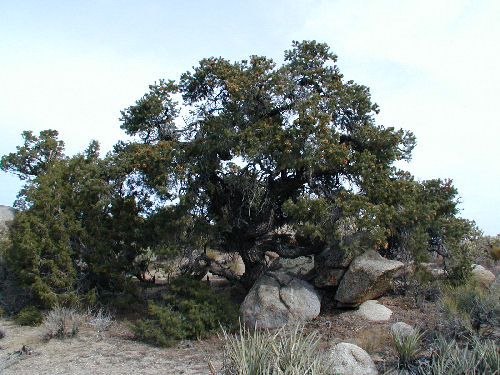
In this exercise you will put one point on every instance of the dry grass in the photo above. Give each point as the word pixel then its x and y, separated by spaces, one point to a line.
pixel 114 353
pixel 373 339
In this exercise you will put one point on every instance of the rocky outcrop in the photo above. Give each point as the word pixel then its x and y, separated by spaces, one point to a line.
pixel 350 359
pixel 333 261
pixel 368 277
pixel 300 267
pixel 483 277
pixel 278 298
pixel 374 311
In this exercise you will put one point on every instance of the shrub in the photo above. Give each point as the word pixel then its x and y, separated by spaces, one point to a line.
pixel 469 309
pixel 258 352
pixel 460 271
pixel 29 316
pixel 99 319
pixel 248 353
pixel 62 322
pixel 495 252
pixel 188 310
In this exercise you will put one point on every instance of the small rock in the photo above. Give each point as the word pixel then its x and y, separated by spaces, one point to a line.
pixel 374 311
pixel 350 359
pixel 482 275
pixel 402 328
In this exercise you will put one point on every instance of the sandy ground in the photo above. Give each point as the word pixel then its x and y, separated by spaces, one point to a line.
pixel 112 353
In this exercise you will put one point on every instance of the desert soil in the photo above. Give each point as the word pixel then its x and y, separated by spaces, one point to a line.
pixel 115 352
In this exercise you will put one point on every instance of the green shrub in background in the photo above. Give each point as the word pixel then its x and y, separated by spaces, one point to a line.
pixel 469 309
pixel 460 272
pixel 29 316
pixel 188 310
pixel 495 252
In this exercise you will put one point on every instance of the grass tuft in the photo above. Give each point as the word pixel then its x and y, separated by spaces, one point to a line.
pixel 62 322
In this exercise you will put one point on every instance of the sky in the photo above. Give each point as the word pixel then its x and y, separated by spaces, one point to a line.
pixel 433 67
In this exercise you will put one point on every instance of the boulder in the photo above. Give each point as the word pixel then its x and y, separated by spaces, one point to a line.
pixel 300 267
pixel 350 359
pixel 6 215
pixel 278 298
pixel 483 276
pixel 402 329
pixel 331 263
pixel 374 311
pixel 368 277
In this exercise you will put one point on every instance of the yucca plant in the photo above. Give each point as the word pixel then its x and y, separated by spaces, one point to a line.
pixel 408 347
pixel 248 353
pixel 296 354
pixel 474 358
pixel 263 353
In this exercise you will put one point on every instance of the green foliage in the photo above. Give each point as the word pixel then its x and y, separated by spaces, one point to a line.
pixel 469 309
pixel 76 230
pixel 460 272
pixel 29 316
pixel 264 147
pixel 188 310
pixel 296 145
pixel 35 156
pixel 261 353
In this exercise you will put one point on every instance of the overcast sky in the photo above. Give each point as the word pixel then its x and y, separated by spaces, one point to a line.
pixel 432 66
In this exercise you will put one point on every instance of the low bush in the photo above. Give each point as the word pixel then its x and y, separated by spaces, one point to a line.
pixel 189 309
pixel 62 322
pixel 495 252
pixel 469 309
pixel 29 316
pixel 99 319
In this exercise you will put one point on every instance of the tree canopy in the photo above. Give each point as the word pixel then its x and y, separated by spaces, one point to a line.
pixel 244 157
pixel 266 147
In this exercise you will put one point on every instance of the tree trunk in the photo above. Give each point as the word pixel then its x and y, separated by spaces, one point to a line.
pixel 255 266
